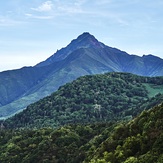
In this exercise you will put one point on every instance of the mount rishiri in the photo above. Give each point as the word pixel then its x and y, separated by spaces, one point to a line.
pixel 83 56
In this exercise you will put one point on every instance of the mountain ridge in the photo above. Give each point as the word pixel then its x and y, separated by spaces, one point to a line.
pixel 83 56
pixel 86 40
pixel 82 41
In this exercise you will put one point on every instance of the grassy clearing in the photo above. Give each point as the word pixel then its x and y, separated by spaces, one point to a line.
pixel 153 89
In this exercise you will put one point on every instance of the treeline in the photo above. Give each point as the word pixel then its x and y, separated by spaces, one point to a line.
pixel 139 141
pixel 92 98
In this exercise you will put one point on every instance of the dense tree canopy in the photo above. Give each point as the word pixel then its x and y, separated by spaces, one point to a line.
pixel 92 98
pixel 94 119
pixel 138 141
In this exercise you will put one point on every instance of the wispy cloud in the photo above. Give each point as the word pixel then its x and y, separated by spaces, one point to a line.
pixel 80 2
pixel 103 2
pixel 44 11
pixel 75 7
pixel 39 16
pixel 51 9
pixel 44 7
pixel 63 9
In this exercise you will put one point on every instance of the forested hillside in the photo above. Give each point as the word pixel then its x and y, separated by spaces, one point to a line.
pixel 85 55
pixel 139 141
pixel 92 98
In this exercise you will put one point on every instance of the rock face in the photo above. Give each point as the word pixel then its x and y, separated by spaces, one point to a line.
pixel 84 55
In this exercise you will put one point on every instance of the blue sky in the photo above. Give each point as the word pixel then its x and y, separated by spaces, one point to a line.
pixel 31 31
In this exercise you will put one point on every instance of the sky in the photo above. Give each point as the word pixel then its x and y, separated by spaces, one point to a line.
pixel 33 30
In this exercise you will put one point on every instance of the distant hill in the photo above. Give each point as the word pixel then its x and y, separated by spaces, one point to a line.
pixel 83 56
pixel 92 98
pixel 139 141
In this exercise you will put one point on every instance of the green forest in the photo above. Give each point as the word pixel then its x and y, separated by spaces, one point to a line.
pixel 138 141
pixel 94 98
pixel 107 118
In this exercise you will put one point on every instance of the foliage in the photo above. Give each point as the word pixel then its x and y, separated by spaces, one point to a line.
pixel 138 141
pixel 66 144
pixel 92 98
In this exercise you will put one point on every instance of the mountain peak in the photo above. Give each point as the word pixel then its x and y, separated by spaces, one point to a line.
pixel 85 35
pixel 87 40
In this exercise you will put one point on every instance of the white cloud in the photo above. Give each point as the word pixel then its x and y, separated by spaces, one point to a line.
pixel 80 2
pixel 39 17
pixel 29 15
pixel 75 7
pixel 103 2
pixel 57 8
pixel 43 10
pixel 69 9
pixel 44 7
pixel 52 9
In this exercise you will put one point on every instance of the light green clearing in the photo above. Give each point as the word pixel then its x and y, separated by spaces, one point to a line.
pixel 153 89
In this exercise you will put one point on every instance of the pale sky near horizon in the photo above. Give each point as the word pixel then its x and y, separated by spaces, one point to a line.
pixel 31 31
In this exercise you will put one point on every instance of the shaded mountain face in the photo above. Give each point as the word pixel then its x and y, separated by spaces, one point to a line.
pixel 86 48
pixel 83 56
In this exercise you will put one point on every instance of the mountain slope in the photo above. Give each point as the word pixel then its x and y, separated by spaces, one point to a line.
pixel 139 141
pixel 111 58
pixel 83 56
pixel 85 40
pixel 15 83
pixel 107 97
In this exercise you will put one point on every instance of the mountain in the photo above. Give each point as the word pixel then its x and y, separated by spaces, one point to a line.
pixel 83 56
pixel 87 48
pixel 138 141
pixel 92 98
pixel 85 40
